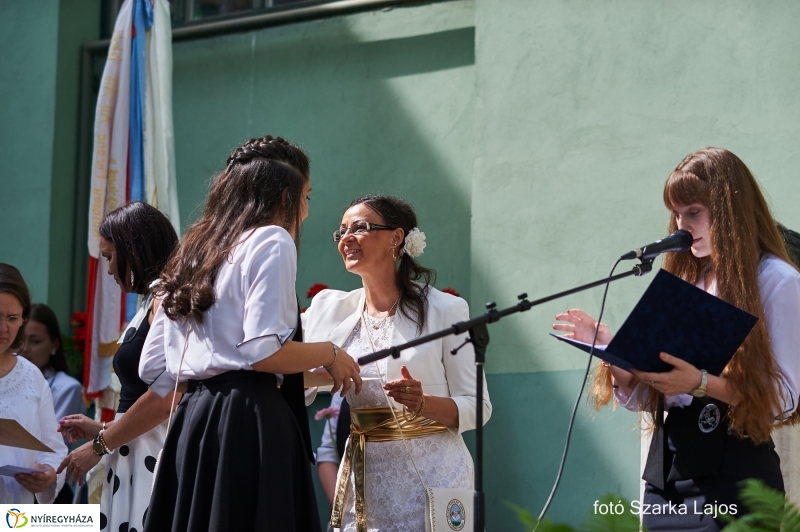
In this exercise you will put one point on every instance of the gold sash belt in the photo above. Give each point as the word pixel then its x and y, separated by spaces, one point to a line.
pixel 375 425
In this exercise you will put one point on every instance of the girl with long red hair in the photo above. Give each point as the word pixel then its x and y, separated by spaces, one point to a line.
pixel 717 429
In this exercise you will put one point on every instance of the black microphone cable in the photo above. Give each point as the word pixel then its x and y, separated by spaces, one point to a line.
pixel 577 402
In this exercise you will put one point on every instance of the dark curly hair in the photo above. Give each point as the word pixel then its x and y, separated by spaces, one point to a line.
pixel 395 213
pixel 262 184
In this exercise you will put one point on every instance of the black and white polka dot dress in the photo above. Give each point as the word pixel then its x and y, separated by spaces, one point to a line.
pixel 129 470
pixel 129 481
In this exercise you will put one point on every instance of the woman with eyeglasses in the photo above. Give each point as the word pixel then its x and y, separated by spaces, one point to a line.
pixel 717 429
pixel 428 390
pixel 237 455
pixel 26 399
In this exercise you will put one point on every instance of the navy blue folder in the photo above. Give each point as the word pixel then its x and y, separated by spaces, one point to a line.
pixel 678 318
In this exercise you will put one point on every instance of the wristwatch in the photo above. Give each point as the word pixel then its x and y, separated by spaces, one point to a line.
pixel 700 391
pixel 99 445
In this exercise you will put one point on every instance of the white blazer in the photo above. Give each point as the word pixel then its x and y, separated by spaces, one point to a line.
pixel 333 315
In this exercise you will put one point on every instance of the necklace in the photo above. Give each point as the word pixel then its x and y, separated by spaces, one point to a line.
pixel 378 326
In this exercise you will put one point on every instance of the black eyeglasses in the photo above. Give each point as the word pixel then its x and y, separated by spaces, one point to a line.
pixel 357 229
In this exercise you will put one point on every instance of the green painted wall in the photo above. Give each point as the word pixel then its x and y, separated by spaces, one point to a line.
pixel 38 140
pixel 28 35
pixel 78 22
pixel 382 102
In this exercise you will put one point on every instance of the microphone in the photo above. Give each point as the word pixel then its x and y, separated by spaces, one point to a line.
pixel 680 240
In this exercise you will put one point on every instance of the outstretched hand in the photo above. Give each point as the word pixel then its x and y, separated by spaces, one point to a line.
pixel 682 378
pixel 78 463
pixel 78 427
pixel 580 326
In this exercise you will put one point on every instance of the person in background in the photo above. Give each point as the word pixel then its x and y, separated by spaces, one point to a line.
pixel 43 348
pixel 137 240
pixel 26 398
pixel 331 448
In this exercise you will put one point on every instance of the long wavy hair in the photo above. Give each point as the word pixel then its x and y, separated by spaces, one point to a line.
pixel 742 230
pixel 262 184
pixel 413 280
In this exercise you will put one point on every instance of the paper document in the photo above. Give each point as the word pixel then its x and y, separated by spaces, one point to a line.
pixel 678 318
pixel 13 434
pixel 11 470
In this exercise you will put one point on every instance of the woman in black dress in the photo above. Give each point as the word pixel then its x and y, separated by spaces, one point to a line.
pixel 136 239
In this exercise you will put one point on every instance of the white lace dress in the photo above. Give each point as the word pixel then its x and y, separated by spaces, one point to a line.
pixel 395 498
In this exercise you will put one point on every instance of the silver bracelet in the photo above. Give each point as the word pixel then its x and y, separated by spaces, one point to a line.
pixel 335 354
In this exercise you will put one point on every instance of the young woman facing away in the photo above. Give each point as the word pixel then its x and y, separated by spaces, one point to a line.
pixel 235 456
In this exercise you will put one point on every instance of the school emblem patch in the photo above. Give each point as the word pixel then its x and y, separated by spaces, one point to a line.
pixel 709 418
pixel 455 515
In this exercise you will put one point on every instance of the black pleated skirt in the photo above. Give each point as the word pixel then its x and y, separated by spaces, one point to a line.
pixel 741 460
pixel 234 460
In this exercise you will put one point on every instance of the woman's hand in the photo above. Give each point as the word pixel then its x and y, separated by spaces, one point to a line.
pixel 37 482
pixel 406 391
pixel 682 378
pixel 581 327
pixel 78 463
pixel 78 427
pixel 345 372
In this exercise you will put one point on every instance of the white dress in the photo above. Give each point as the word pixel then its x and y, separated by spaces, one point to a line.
pixel 25 397
pixel 395 498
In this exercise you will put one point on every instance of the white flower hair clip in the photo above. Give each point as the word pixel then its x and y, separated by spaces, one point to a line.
pixel 415 243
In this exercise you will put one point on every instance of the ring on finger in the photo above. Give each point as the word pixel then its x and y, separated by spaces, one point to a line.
pixel 408 389
pixel 652 383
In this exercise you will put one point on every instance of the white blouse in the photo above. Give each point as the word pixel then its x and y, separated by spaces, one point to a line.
pixel 255 312
pixel 25 397
pixel 779 288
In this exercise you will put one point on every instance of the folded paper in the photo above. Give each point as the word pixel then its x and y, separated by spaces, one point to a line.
pixel 13 434
pixel 678 318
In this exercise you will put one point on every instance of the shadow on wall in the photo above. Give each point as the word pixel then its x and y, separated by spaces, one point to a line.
pixel 391 116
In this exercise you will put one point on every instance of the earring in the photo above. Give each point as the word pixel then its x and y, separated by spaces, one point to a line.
pixel 133 283
pixel 393 255
pixel 52 353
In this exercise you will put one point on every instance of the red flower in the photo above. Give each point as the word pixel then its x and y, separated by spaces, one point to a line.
pixel 315 289
pixel 78 319
pixel 78 323
pixel 451 291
